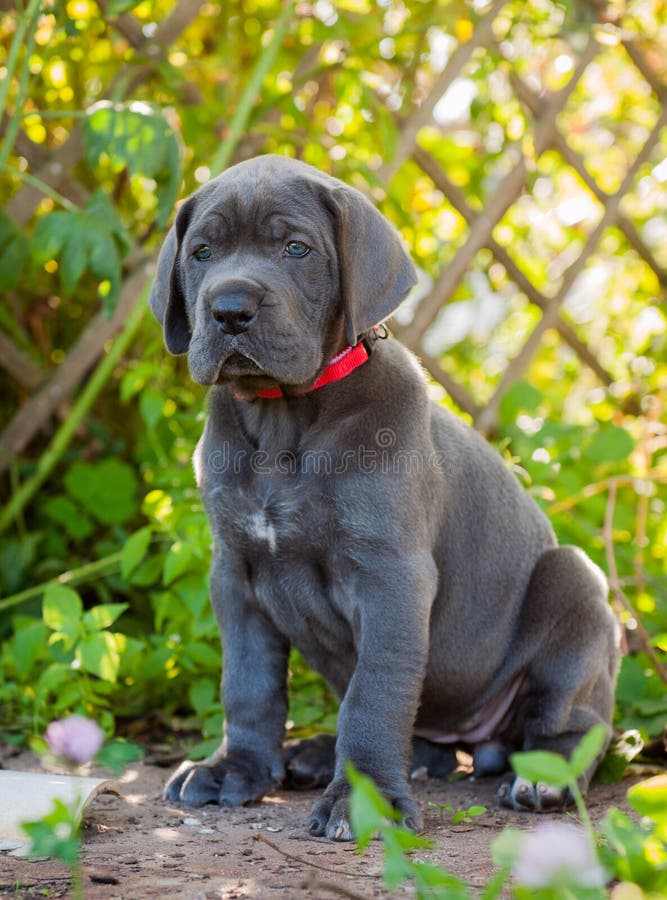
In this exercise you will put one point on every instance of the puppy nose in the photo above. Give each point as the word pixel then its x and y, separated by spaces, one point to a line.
pixel 233 314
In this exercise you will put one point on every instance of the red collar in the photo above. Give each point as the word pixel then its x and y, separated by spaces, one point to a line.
pixel 339 367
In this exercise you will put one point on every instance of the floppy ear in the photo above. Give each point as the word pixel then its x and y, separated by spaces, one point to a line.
pixel 166 298
pixel 375 271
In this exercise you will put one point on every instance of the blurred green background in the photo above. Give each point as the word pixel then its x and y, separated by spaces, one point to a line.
pixel 520 150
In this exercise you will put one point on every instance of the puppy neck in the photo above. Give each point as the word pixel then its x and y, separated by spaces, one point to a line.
pixel 339 367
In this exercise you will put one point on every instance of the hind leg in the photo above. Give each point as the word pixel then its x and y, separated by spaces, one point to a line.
pixel 569 637
pixel 310 763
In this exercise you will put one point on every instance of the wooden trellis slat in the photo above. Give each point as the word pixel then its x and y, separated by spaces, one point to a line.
pixel 423 114
pixel 457 198
pixel 507 192
pixel 532 102
pixel 56 170
pixel 486 418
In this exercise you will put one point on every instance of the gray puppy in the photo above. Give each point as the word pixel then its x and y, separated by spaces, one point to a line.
pixel 358 521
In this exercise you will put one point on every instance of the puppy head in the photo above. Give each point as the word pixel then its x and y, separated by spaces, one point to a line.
pixel 270 269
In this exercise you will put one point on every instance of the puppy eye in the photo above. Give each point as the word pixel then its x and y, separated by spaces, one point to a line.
pixel 202 253
pixel 297 248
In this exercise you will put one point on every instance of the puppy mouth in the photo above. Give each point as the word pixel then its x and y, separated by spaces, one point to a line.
pixel 238 365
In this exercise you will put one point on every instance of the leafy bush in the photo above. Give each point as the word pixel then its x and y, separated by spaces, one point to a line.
pixel 140 112
pixel 555 861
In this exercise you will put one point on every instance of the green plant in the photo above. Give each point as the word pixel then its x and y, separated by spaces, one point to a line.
pixel 75 741
pixel 459 816
pixel 372 816
pixel 555 861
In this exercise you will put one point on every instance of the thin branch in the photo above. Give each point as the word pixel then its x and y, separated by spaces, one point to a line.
pixel 550 315
pixel 614 584
pixel 37 412
pixel 82 574
pixel 103 566
pixel 530 99
pixel 459 201
pixel 505 194
pixel 40 186
pixel 14 123
pixel 180 17
pixel 601 487
pixel 307 862
pixel 24 22
pixel 319 884
pixel 54 173
pixel 49 459
pixel 19 365
pixel 424 112
pixel 248 98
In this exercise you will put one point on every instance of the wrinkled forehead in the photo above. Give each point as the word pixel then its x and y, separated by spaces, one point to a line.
pixel 262 196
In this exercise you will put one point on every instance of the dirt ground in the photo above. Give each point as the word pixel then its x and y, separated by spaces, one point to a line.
pixel 136 845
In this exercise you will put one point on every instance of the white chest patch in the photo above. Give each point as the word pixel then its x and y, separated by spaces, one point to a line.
pixel 263 530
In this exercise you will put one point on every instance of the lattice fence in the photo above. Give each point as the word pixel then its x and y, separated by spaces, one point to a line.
pixel 521 173
pixel 544 109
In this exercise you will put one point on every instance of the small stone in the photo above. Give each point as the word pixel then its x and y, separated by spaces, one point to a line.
pixel 190 821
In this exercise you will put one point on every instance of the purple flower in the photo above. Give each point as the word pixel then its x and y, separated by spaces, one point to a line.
pixel 557 854
pixel 76 738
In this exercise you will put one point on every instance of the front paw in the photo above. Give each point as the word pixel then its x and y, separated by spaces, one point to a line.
pixel 221 781
pixel 520 794
pixel 330 815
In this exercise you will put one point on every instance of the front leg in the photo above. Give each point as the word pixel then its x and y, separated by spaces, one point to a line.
pixel 254 698
pixel 377 714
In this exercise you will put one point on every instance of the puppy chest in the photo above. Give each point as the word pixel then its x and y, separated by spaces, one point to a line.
pixel 272 519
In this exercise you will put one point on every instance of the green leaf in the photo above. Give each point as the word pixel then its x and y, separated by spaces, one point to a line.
pixel 106 489
pixel 587 750
pixel 649 798
pixel 506 847
pixel 466 815
pixel 74 255
pixel 177 562
pixel 202 654
pixel 61 607
pixel 55 834
pixel 542 765
pixel 429 878
pixel 202 749
pixel 610 444
pixel 98 654
pixel 134 550
pixel 618 757
pixel 137 137
pixel 625 853
pixel 203 695
pixel 74 520
pixel 14 253
pixel 116 755
pixel 369 810
pixel 27 646
pixel 49 236
pixel 396 867
pixel 89 239
pixel 103 615
pixel 495 886
pixel 520 397
pixel 151 405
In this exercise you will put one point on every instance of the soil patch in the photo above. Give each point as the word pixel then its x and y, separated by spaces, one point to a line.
pixel 137 845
